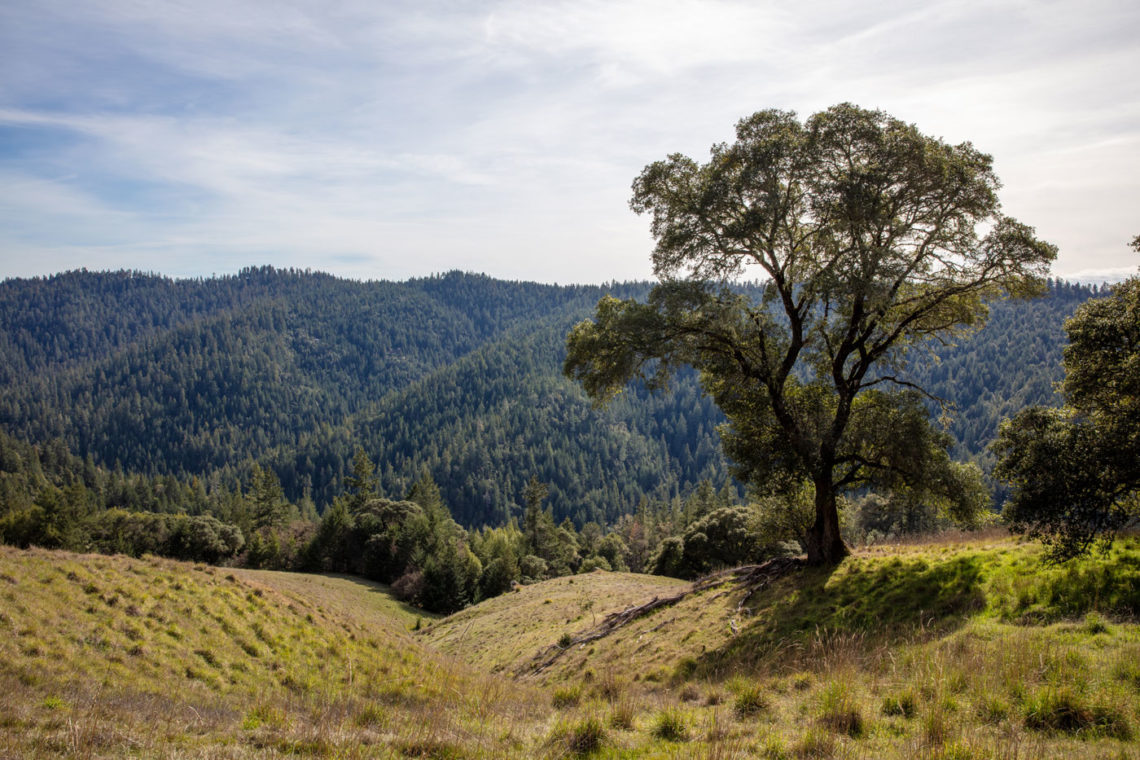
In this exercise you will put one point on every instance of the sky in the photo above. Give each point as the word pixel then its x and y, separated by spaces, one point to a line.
pixel 390 139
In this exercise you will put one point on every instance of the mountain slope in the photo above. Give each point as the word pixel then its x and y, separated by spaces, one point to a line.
pixel 459 374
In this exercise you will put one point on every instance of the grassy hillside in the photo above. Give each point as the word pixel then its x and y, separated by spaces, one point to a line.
pixel 969 649
pixel 945 650
pixel 108 656
pixel 504 633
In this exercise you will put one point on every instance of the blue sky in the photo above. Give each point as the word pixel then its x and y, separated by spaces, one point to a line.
pixel 390 139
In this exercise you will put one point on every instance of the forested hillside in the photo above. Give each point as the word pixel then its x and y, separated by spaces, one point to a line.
pixel 458 374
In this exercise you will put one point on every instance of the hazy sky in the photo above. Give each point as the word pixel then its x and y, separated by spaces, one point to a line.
pixel 395 138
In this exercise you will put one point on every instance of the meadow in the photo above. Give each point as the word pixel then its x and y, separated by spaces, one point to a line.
pixel 963 647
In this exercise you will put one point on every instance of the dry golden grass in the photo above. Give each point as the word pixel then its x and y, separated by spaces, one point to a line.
pixel 951 650
pixel 963 647
pixel 503 634
pixel 109 656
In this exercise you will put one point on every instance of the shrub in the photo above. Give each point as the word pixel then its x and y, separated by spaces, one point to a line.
pixel 590 564
pixel 409 586
pixel 1095 623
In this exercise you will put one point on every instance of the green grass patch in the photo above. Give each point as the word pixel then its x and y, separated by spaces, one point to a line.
pixel 671 726
pixel 1064 710
pixel 566 697
pixel 370 715
pixel 582 738
pixel 901 704
pixel 839 710
pixel 750 701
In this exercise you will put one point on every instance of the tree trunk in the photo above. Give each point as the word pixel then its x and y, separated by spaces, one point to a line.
pixel 824 544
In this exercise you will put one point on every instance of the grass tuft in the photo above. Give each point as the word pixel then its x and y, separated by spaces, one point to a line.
pixel 369 715
pixel 670 725
pixel 839 711
pixel 992 709
pixel 583 738
pixel 432 749
pixel 1063 710
pixel 815 743
pixel 621 716
pixel 566 697
pixel 750 702
pixel 901 704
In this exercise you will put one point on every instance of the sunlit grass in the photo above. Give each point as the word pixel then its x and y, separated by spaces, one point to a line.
pixel 940 651
pixel 954 649
pixel 106 656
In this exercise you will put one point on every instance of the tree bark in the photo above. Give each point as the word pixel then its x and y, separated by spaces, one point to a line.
pixel 824 543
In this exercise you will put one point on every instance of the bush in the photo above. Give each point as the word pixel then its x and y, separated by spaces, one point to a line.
pixel 409 586
pixel 533 568
pixel 590 564
pixel 1095 623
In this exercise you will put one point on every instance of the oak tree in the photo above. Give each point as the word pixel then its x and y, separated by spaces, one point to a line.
pixel 869 238
pixel 1075 471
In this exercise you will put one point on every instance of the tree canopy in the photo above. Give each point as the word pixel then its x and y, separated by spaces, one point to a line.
pixel 202 378
pixel 1075 471
pixel 865 234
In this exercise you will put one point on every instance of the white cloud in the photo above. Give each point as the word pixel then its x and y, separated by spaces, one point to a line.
pixel 503 136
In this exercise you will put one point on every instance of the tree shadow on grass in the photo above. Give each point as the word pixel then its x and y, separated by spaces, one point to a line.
pixel 807 618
